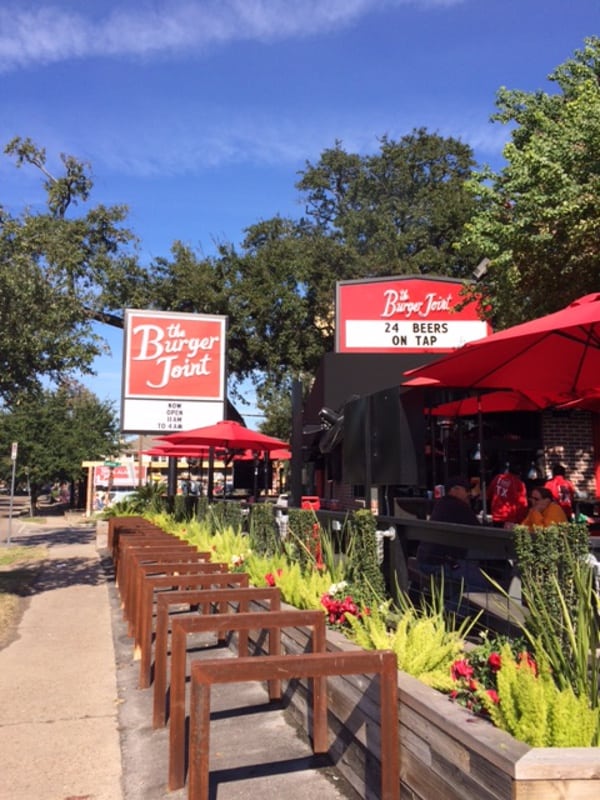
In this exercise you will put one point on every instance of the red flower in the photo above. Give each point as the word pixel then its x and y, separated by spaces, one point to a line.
pixel 270 578
pixel 495 661
pixel 493 695
pixel 461 669
pixel 338 609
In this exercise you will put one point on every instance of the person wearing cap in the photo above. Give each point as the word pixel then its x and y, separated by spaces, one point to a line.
pixel 454 507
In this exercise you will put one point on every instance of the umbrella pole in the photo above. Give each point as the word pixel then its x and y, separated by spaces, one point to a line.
pixel 432 445
pixel 255 489
pixel 266 472
pixel 482 459
pixel 211 473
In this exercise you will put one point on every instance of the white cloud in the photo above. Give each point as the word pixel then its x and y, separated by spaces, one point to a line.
pixel 43 34
pixel 189 145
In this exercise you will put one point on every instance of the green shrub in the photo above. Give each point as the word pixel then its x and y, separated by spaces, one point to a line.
pixel 365 576
pixel 304 537
pixel 551 553
pixel 563 608
pixel 264 533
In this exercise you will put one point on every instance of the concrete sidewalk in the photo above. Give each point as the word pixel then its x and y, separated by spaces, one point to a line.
pixel 74 725
pixel 59 734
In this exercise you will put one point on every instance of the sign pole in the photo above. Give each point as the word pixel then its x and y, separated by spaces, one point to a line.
pixel 13 458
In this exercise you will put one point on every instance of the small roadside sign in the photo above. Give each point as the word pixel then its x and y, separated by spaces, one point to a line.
pixel 13 458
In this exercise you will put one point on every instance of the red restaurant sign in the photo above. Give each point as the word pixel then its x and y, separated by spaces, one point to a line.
pixel 404 315
pixel 174 371
pixel 124 476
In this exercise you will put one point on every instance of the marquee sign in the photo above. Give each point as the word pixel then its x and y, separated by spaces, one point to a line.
pixel 404 315
pixel 173 371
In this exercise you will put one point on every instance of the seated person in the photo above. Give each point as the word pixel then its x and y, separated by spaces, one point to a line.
pixel 507 499
pixel 544 511
pixel 454 507
pixel 562 490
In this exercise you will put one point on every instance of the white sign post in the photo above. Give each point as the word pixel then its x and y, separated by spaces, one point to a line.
pixel 13 458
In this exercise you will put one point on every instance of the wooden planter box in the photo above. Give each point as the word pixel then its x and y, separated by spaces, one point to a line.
pixel 446 753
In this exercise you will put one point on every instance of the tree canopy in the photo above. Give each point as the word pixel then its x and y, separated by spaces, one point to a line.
pixel 59 271
pixel 400 211
pixel 538 219
pixel 56 430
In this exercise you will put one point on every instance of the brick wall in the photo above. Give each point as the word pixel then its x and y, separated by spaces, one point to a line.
pixel 568 439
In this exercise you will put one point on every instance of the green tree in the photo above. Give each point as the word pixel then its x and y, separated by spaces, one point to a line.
pixel 538 219
pixel 401 210
pixel 59 272
pixel 56 431
pixel 277 291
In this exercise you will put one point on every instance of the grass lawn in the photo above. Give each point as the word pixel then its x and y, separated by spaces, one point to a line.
pixel 18 571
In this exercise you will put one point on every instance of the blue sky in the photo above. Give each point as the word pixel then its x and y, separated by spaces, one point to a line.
pixel 198 114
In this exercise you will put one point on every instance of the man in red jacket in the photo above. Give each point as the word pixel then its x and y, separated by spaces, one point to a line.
pixel 507 499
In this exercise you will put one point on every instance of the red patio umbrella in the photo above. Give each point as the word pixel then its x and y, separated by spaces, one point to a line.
pixel 557 356
pixel 489 403
pixel 588 401
pixel 280 455
pixel 178 451
pixel 228 435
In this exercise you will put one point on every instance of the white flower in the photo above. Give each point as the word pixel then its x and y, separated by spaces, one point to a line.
pixel 337 587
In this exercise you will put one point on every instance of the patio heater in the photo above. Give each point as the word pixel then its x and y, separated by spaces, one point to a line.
pixel 445 425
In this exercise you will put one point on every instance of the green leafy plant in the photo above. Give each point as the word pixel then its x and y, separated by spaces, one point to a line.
pixel 304 537
pixel 229 545
pixel 533 709
pixel 569 637
pixel 424 638
pixel 548 553
pixel 225 515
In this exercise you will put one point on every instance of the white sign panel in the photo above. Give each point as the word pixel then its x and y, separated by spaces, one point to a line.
pixel 384 335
